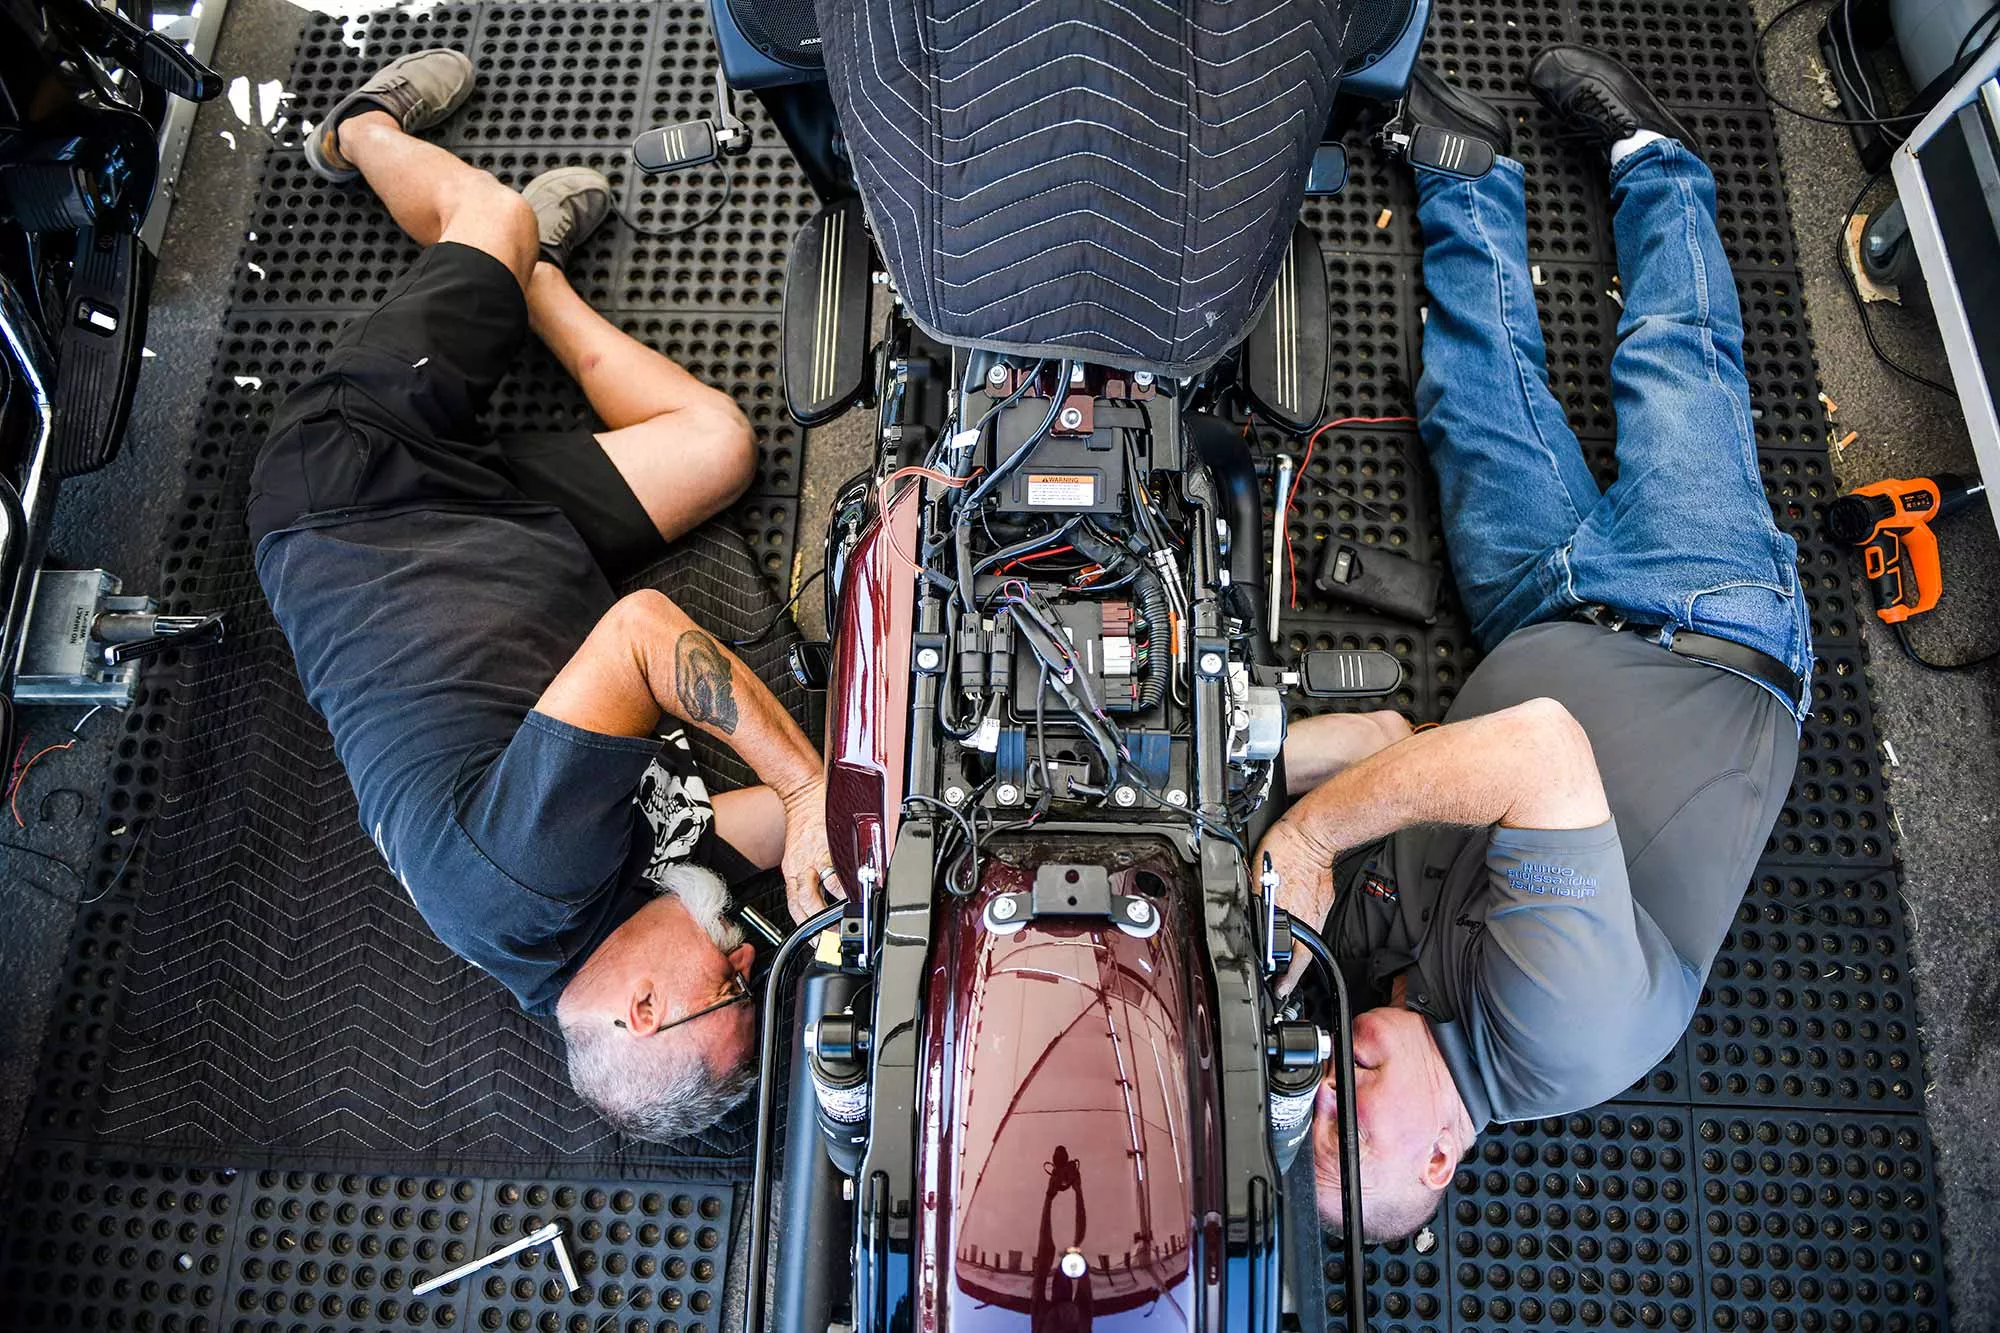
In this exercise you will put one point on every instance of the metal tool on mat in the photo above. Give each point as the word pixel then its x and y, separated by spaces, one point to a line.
pixel 551 1233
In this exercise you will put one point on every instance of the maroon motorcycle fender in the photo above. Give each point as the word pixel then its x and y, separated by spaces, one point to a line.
pixel 868 702
pixel 1067 1146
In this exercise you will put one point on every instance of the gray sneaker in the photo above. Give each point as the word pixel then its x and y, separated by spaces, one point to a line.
pixel 419 90
pixel 570 203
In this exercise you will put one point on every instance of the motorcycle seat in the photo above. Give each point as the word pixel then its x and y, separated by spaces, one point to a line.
pixel 1059 178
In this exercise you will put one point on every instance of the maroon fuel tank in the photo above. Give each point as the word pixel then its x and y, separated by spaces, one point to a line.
pixel 868 699
pixel 1067 1155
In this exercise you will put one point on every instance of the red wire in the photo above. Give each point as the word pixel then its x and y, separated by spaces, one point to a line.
pixel 14 796
pixel 1285 510
pixel 1036 555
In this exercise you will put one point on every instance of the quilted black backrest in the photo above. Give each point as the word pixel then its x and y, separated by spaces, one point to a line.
pixel 1114 180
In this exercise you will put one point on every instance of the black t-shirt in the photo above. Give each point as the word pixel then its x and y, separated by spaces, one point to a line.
pixel 424 637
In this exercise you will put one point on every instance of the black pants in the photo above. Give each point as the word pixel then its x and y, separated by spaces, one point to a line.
pixel 392 420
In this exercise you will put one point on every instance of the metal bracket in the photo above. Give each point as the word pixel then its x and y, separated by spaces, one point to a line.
pixel 1069 892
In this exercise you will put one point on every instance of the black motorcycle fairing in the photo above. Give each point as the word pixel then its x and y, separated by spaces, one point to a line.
pixel 1111 182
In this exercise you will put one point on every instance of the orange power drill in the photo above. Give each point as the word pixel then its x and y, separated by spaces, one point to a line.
pixel 1891 522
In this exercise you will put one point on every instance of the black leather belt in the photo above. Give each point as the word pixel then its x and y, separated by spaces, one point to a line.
pixel 1724 653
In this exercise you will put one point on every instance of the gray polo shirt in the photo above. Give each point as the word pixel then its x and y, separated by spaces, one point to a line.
pixel 1557 966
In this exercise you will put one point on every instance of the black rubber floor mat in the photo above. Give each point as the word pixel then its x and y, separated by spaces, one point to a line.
pixel 100 1241
pixel 1772 1172
pixel 1652 1217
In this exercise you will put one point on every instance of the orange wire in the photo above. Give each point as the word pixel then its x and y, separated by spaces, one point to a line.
pixel 1285 511
pixel 14 796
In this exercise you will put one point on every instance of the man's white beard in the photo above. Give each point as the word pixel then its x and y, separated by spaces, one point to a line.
pixel 706 899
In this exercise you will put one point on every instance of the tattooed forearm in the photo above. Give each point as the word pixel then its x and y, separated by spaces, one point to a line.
pixel 702 678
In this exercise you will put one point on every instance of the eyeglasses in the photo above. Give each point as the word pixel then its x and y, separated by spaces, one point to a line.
pixel 741 994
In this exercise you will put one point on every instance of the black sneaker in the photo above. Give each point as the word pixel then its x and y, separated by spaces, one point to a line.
pixel 1432 101
pixel 1600 97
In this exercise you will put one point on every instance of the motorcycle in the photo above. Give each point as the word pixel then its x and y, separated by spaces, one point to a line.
pixel 1034 1070
pixel 85 93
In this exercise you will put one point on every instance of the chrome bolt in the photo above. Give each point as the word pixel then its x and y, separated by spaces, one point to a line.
pixel 1176 797
pixel 1143 379
pixel 1007 794
pixel 1071 418
pixel 928 659
pixel 1139 911
pixel 1211 664
pixel 1004 909
pixel 954 796
pixel 997 376
pixel 1125 796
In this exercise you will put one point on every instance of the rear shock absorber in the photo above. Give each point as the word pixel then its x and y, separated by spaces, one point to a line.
pixel 1296 1053
pixel 837 1062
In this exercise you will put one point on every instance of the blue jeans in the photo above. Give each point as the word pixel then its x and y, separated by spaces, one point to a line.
pixel 1684 539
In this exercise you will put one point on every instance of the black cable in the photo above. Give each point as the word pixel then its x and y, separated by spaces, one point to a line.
pixel 1207 826
pixel 1854 292
pixel 1909 651
pixel 1006 468
pixel 965 829
pixel 118 879
pixel 674 233
pixel 1853 57
pixel 1042 728
pixel 1026 546
pixel 1349 1135
pixel 40 855
pixel 1028 381
pixel 783 611
pixel 48 800
pixel 1958 67
pixel 47 890
pixel 1959 57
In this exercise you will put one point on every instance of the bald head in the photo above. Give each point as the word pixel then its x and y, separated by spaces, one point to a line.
pixel 1414 1128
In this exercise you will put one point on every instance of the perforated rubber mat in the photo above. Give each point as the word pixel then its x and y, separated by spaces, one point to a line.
pixel 231 1131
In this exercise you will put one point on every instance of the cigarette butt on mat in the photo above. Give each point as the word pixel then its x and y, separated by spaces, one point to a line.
pixel 1536 274
pixel 1840 445
pixel 1382 218
pixel 1828 403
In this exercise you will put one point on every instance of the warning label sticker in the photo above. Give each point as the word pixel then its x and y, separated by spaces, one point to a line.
pixel 1062 490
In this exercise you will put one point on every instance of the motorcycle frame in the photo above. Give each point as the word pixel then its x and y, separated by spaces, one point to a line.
pixel 889 928
pixel 889 934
